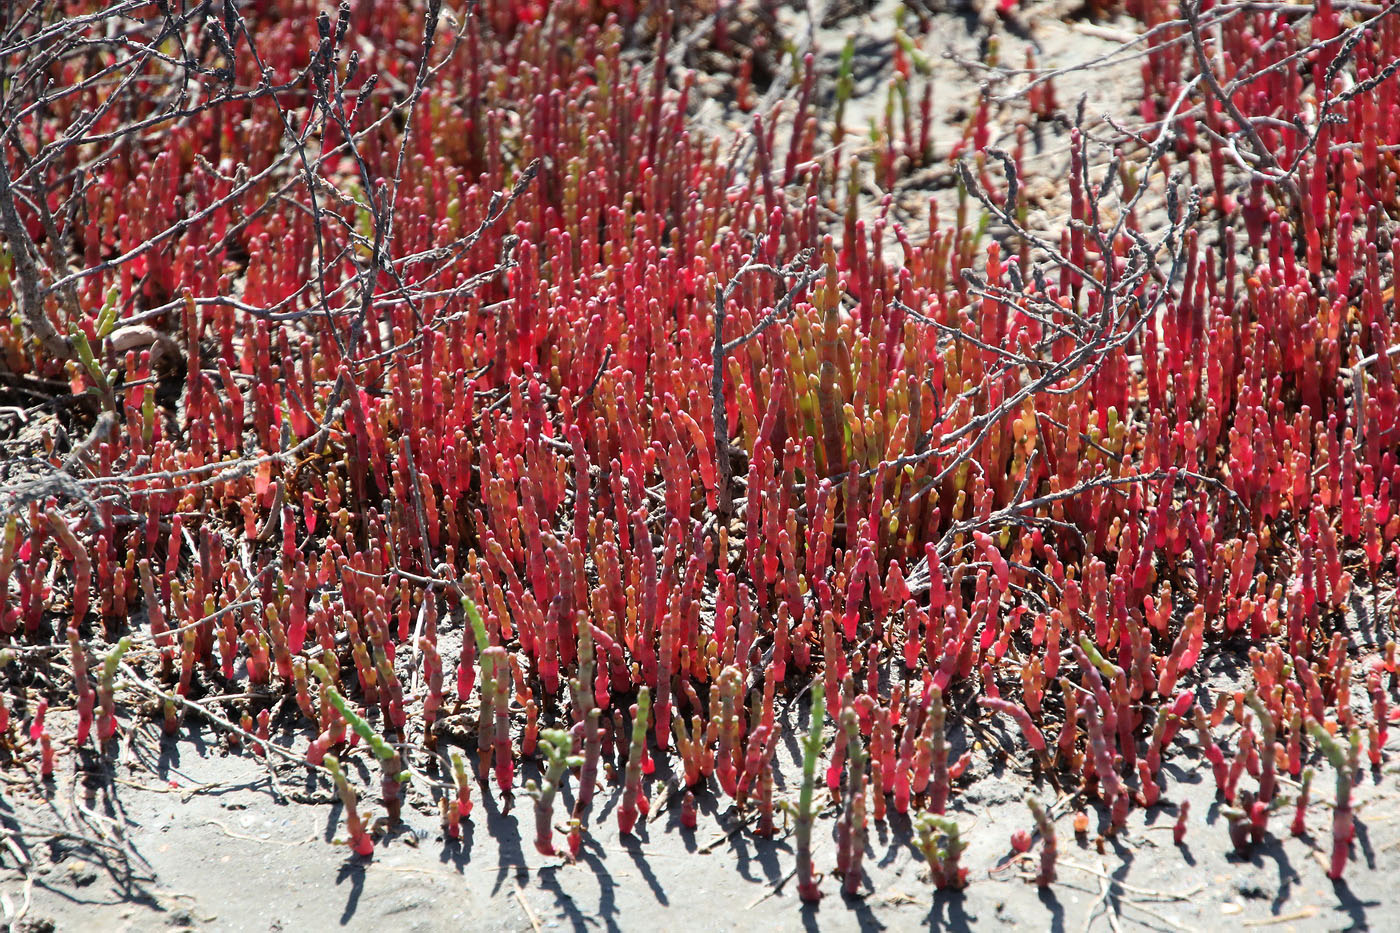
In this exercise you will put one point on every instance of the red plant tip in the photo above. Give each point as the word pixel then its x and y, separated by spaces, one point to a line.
pixel 1300 807
pixel 46 756
pixel 36 726
pixel 1179 827
pixel 1020 841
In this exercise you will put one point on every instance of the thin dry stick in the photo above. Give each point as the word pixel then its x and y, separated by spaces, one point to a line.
pixel 525 906
pixel 1302 914
pixel 1190 10
pixel 134 679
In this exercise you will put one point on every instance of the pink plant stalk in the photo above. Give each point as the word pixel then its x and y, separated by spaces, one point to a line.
pixel 1049 844
pixel 938 838
pixel 1183 813
pixel 360 841
pixel 1341 758
pixel 808 882
pixel 1034 737
pixel 851 827
pixel 634 801
pixel 1300 805
pixel 558 761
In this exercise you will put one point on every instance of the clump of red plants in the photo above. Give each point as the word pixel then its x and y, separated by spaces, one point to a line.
pixel 475 385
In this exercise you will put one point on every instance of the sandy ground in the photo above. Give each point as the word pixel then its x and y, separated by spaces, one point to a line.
pixel 189 835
